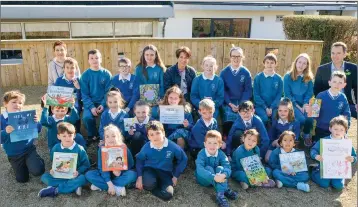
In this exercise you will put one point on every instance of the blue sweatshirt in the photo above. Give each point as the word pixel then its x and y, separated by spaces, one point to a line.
pixel 155 76
pixel 107 175
pixel 94 87
pixel 332 107
pixel 107 119
pixel 51 125
pixel 274 160
pixel 62 81
pixel 297 91
pixel 129 89
pixel 14 148
pixel 315 150
pixel 199 131
pixel 162 159
pixel 257 124
pixel 240 153
pixel 83 163
pixel 277 129
pixel 207 88
pixel 204 159
pixel 170 128
pixel 142 129
pixel 237 86
pixel 267 91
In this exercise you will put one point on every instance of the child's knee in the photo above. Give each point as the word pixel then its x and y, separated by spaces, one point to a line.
pixel 219 169
pixel 267 156
pixel 209 168
pixel 38 171
pixel 149 184
pixel 45 178
pixel 338 185
pixel 132 176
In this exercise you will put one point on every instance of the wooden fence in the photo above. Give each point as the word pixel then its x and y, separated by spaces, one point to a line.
pixel 38 53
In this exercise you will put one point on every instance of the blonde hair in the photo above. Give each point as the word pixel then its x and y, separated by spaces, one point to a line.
pixel 119 95
pixel 307 73
pixel 8 96
pixel 209 58
pixel 117 132
pixel 207 104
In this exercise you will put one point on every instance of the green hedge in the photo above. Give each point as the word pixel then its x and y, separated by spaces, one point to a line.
pixel 329 29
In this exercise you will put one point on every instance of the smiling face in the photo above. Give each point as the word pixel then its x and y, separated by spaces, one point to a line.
pixel 66 139
pixel 337 54
pixel 246 115
pixel 287 143
pixel 94 60
pixel 69 70
pixel 337 84
pixel 113 103
pixel 270 65
pixel 301 65
pixel 14 105
pixel 206 114
pixel 59 111
pixel 236 58
pixel 156 137
pixel 337 131
pixel 183 60
pixel 283 112
pixel 60 53
pixel 149 56
pixel 250 141
pixel 212 145
pixel 124 69
pixel 141 112
pixel 111 138
pixel 173 99
pixel 209 68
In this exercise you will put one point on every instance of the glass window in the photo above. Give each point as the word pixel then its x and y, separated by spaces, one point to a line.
pixel 10 31
pixel 241 28
pixel 134 29
pixel 298 12
pixel 331 12
pixel 50 30
pixel 11 57
pixel 221 28
pixel 201 28
pixel 91 29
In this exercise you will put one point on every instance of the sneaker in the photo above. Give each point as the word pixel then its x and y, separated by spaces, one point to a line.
pixel 230 194
pixel 48 192
pixel 120 191
pixel 303 187
pixel 79 191
pixel 279 184
pixel 244 185
pixel 94 188
pixel 221 200
pixel 170 190
pixel 270 184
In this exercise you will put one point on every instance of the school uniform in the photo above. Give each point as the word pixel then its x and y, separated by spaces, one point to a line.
pixel 55 70
pixel 155 76
pixel 116 119
pixel 279 126
pixel 175 131
pixel 129 88
pixel 136 141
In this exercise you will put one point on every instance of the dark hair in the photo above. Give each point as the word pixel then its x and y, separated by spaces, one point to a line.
pixel 340 44
pixel 64 127
pixel 286 102
pixel 59 43
pixel 252 132
pixel 246 105
pixel 270 56
pixel 158 61
pixel 155 125
pixel 339 120
pixel 93 52
pixel 289 133
pixel 70 61
pixel 125 60
pixel 141 103
pixel 183 49
pixel 339 74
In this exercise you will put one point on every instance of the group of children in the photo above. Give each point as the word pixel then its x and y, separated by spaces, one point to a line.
pixel 267 127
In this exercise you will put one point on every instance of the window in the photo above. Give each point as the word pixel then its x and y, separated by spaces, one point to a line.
pixel 331 12
pixel 221 28
pixel 50 30
pixel 298 12
pixel 11 31
pixel 91 29
pixel 133 29
pixel 9 57
pixel 279 18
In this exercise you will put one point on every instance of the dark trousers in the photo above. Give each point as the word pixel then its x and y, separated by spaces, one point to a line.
pixel 226 127
pixel 136 142
pixel 236 140
pixel 157 181
pixel 194 153
pixel 353 110
pixel 28 162
pixel 320 133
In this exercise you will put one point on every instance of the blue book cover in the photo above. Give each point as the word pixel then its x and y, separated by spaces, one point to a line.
pixel 25 127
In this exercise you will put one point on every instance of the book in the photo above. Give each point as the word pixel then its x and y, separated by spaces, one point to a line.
pixel 293 162
pixel 171 114
pixel 254 169
pixel 64 165
pixel 114 158
pixel 316 107
pixel 25 127
pixel 334 153
pixel 59 96
pixel 149 93
pixel 129 123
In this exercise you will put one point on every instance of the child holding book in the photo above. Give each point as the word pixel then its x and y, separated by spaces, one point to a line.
pixel 268 88
pixel 127 83
pixel 208 85
pixel 246 120
pixel 298 87
pixel 22 155
pixel 206 123
pixel 289 179
pixel 284 121
pixel 114 114
pixel 66 133
pixel 114 182
pixel 338 127
pixel 250 139
pixel 156 169
pixel 95 83
pixel 213 168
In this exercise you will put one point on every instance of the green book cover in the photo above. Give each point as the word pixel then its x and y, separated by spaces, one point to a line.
pixel 254 169
pixel 64 165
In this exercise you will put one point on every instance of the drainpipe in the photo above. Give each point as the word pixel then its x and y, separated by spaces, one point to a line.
pixel 164 20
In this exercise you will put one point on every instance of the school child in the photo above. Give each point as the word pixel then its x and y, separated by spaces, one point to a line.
pixel 208 85
pixel 114 114
pixel 22 155
pixel 247 120
pixel 66 133
pixel 95 83
pixel 113 182
pixel 298 87
pixel 70 80
pixel 292 179
pixel 213 168
pixel 284 120
pixel 268 89
pixel 237 86
pixel 202 126
pixel 250 139
pixel 127 83
pixel 156 169
pixel 178 133
pixel 338 127
pixel 334 103
pixel 59 114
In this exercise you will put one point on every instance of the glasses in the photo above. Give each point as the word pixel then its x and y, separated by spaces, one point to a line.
pixel 124 66
pixel 236 57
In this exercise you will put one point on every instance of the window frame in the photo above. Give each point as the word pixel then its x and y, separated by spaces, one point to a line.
pixel 12 61
pixel 231 29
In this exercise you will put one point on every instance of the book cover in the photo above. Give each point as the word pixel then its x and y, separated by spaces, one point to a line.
pixel 293 162
pixel 254 169
pixel 149 93
pixel 316 107
pixel 64 165
pixel 59 96
pixel 129 123
pixel 114 158
pixel 25 127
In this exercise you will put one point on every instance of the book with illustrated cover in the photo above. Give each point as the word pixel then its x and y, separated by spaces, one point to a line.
pixel 114 158
pixel 64 165
pixel 254 169
pixel 149 93
pixel 25 127
pixel 293 162
pixel 316 107
pixel 59 96
pixel 129 123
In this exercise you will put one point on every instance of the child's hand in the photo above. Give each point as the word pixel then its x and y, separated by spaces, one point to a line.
pixel 175 181
pixel 139 183
pixel 9 129
pixel 131 132
pixel 220 178
pixel 75 174
pixel 186 123
pixel 127 109
pixel 76 83
pixel 268 111
pixel 117 173
pixel 43 99
pixel 293 173
pixel 275 143
pixel 223 146
pixel 111 190
pixel 35 141
pixel 36 118
pixel 229 158
pixel 73 101
pixel 233 107
pixel 52 172
pixel 101 142
pixel 350 159
pixel 94 111
pixel 319 158
pixel 308 110
pixel 99 109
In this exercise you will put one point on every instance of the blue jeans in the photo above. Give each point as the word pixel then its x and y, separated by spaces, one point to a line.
pixel 126 177
pixel 261 112
pixel 290 180
pixel 337 184
pixel 64 185
pixel 241 176
pixel 306 122
pixel 209 180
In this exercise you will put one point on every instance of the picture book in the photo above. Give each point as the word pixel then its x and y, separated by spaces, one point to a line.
pixel 114 158
pixel 293 162
pixel 25 127
pixel 59 96
pixel 254 169
pixel 316 106
pixel 129 123
pixel 149 93
pixel 64 165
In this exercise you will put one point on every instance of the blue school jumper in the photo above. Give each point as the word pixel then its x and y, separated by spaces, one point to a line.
pixel 129 89
pixel 278 127
pixel 100 178
pixel 155 76
pixel 107 119
pixel 207 166
pixel 286 179
pixel 175 131
pixel 316 175
pixel 238 88
pixel 199 131
pixel 69 185
pixel 267 94
pixel 64 82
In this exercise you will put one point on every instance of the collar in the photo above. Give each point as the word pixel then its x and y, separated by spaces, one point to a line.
pixel 301 75
pixel 330 136
pixel 330 93
pixel 56 120
pixel 333 68
pixel 128 78
pixel 235 69
pixel 153 66
pixel 146 120
pixel 273 74
pixel 5 115
pixel 205 78
pixel 209 155
pixel 70 148
pixel 114 114
pixel 64 77
pixel 280 121
pixel 207 124
pixel 284 152
pixel 165 144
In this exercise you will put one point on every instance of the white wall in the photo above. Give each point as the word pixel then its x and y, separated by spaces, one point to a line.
pixel 181 25
pixel 349 13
